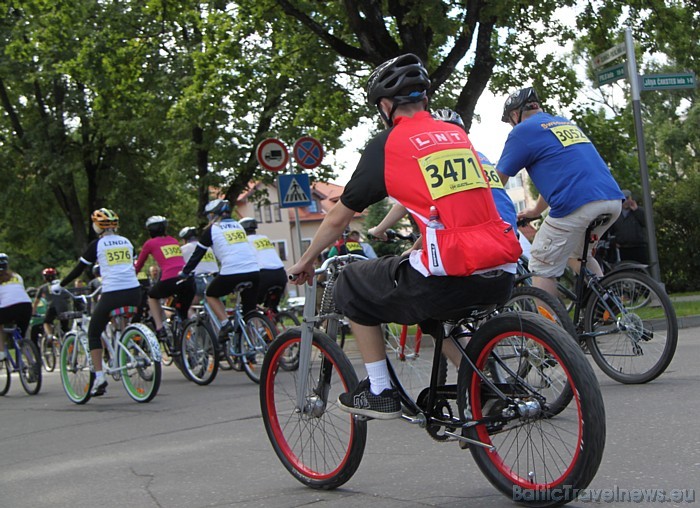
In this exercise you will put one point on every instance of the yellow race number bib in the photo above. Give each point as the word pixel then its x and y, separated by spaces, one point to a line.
pixel 569 135
pixel 449 171
pixel 492 175
pixel 171 251
pixel 262 244
pixel 118 256
pixel 235 236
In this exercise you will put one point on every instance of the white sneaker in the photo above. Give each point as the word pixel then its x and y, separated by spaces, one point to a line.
pixel 100 387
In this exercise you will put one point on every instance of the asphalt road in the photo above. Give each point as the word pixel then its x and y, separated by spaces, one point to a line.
pixel 206 447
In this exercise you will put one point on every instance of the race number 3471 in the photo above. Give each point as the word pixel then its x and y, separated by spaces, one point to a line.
pixel 449 171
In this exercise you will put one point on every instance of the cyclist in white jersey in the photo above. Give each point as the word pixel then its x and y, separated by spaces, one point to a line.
pixel 15 304
pixel 120 287
pixel 238 261
pixel 272 271
pixel 206 266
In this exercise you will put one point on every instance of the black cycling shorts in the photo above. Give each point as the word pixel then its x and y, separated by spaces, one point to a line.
pixel 390 290
pixel 223 285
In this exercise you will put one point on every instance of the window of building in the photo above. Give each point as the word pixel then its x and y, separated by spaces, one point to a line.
pixel 515 182
pixel 258 213
pixel 519 205
pixel 277 212
pixel 281 246
pixel 314 206
pixel 268 213
pixel 305 242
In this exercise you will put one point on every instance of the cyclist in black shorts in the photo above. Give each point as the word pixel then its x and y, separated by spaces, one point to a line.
pixel 228 240
pixel 120 288
pixel 468 253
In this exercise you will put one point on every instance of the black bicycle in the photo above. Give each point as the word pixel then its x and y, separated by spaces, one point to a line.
pixel 514 366
pixel 624 319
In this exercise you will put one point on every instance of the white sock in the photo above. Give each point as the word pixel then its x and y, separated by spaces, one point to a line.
pixel 99 377
pixel 378 374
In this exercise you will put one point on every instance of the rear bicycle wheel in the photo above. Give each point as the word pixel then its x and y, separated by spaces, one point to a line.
pixel 534 452
pixel 74 366
pixel 141 369
pixel 638 345
pixel 537 300
pixel 285 320
pixel 260 332
pixel 5 377
pixel 47 351
pixel 30 367
pixel 321 446
pixel 200 355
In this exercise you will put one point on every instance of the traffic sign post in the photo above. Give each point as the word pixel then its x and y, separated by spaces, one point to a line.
pixel 308 152
pixel 612 74
pixel 667 81
pixel 272 154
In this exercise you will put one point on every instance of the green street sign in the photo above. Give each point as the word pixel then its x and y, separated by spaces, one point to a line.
pixel 611 74
pixel 668 81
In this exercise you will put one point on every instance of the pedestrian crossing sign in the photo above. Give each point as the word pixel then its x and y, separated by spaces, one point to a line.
pixel 294 190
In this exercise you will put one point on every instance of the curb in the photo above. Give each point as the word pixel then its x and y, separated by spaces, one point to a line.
pixel 688 322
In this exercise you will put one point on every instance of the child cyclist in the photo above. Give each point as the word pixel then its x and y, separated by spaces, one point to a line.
pixel 120 288
pixel 167 254
pixel 228 240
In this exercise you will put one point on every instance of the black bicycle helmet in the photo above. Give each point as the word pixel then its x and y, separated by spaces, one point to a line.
pixel 156 225
pixel 4 262
pixel 522 100
pixel 392 77
pixel 218 207
pixel 249 224
pixel 449 116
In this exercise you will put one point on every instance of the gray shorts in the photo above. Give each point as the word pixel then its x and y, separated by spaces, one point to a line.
pixel 389 290
pixel 559 239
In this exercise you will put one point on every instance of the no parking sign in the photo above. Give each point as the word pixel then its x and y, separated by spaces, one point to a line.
pixel 308 152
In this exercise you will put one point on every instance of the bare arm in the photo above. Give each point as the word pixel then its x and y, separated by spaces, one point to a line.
pixel 395 214
pixel 535 211
pixel 331 228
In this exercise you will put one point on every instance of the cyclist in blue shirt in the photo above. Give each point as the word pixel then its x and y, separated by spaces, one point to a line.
pixel 572 178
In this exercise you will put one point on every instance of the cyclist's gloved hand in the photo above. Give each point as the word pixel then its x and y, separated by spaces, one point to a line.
pixel 56 288
pixel 184 275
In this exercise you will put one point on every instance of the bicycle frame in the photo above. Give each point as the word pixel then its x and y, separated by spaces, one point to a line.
pixel 13 334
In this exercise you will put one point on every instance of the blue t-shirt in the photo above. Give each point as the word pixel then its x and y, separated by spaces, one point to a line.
pixel 561 161
pixel 505 206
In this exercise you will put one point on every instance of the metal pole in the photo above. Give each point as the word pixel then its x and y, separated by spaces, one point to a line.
pixel 642 155
pixel 298 226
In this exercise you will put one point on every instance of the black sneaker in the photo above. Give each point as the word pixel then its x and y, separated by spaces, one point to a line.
pixel 162 334
pixel 224 332
pixel 362 401
pixel 99 389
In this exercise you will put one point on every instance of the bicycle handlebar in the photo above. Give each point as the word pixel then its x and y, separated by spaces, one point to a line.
pixel 524 221
pixel 334 260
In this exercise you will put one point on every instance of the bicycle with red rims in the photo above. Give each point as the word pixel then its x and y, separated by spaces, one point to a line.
pixel 514 364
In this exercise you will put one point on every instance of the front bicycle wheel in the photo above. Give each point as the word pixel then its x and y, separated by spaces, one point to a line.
pixel 5 377
pixel 47 351
pixel 29 366
pixel 74 365
pixel 531 454
pixel 412 362
pixel 321 446
pixel 635 344
pixel 260 332
pixel 200 357
pixel 140 366
pixel 539 301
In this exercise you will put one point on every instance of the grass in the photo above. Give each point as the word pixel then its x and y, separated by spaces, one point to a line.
pixel 686 308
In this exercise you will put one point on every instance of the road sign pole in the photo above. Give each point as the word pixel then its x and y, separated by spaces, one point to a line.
pixel 642 155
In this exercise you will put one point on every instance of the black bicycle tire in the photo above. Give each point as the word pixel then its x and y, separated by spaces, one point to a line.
pixel 588 450
pixel 48 360
pixel 252 370
pixel 199 324
pixel 671 322
pixel 32 365
pixel 343 369
pixel 5 373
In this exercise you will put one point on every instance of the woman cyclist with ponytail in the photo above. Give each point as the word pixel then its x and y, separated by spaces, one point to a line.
pixel 120 288
pixel 238 260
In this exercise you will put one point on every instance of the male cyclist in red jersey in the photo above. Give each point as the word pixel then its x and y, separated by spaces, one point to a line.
pixel 421 163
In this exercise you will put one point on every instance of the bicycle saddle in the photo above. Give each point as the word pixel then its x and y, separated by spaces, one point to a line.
pixel 243 285
pixel 472 312
pixel 601 220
